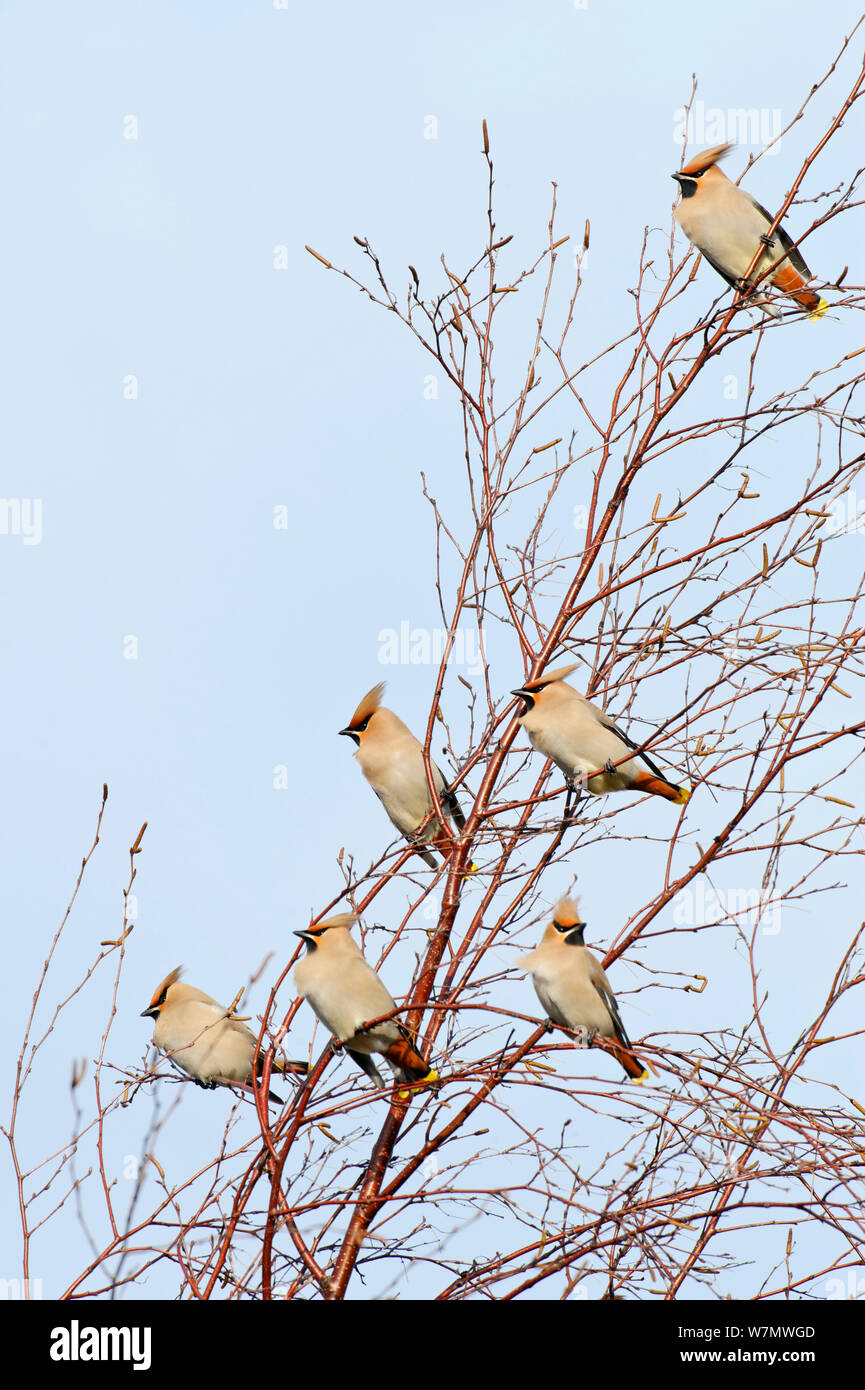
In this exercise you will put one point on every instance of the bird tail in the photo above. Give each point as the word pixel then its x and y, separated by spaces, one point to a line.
pixel 657 786
pixel 288 1068
pixel 789 281
pixel 282 1069
pixel 451 806
pixel 407 1063
pixel 629 1060
pixel 445 846
pixel 218 1080
pixel 365 1062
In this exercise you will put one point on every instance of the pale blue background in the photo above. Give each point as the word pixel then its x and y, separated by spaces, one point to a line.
pixel 260 128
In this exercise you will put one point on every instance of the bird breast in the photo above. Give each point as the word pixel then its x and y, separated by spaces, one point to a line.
pixel 579 751
pixel 728 233
pixel 345 992
pixel 566 992
pixel 204 1043
pixel 399 781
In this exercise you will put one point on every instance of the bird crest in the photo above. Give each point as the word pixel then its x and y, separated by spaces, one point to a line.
pixel 548 676
pixel 566 913
pixel 162 989
pixel 341 919
pixel 703 161
pixel 368 705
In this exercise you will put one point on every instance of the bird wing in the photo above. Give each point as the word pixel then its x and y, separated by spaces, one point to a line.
pixel 365 993
pixel 725 275
pixel 629 743
pixel 794 256
pixel 234 1025
pixel 449 802
pixel 602 985
pixel 365 1062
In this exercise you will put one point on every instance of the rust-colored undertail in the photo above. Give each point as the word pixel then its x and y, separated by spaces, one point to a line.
pixel 629 1060
pixel 788 280
pixel 287 1068
pixel 656 786
pixel 408 1060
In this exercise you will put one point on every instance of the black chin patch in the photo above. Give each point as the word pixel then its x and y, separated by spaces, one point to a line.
pixel 575 936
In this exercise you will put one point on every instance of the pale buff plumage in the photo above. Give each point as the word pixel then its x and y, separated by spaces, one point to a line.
pixel 344 992
pixel 573 988
pixel 391 760
pixel 585 743
pixel 211 1047
pixel 726 225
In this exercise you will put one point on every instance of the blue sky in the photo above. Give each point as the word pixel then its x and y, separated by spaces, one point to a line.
pixel 166 385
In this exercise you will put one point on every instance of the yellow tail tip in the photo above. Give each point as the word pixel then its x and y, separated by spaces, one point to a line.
pixel 683 795
pixel 427 1080
pixel 424 1080
pixel 819 311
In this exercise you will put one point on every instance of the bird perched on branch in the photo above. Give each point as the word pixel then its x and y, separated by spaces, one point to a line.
pixel 344 991
pixel 585 743
pixel 204 1040
pixel 573 988
pixel 391 760
pixel 727 226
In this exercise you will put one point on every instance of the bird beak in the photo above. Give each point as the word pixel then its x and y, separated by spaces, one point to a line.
pixel 304 935
pixel 678 178
pixel 528 698
pixel 351 733
pixel 152 1012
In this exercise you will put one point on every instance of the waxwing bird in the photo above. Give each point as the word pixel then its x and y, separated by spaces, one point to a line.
pixel 391 760
pixel 727 226
pixel 573 988
pixel 203 1040
pixel 344 991
pixel 585 743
